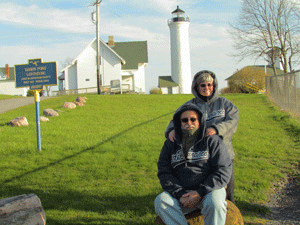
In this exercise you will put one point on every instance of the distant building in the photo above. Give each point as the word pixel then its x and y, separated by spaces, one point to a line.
pixel 167 85
pixel 8 83
pixel 267 70
pixel 122 67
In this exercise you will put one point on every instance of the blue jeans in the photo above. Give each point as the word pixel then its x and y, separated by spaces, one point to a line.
pixel 213 206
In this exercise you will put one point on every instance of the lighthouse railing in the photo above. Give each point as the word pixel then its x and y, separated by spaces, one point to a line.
pixel 179 19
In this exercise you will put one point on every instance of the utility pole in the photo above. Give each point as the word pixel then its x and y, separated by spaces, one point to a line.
pixel 97 3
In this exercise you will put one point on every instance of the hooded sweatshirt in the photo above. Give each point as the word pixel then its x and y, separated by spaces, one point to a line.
pixel 206 167
pixel 218 112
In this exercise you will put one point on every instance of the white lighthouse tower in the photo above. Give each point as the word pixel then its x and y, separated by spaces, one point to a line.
pixel 180 51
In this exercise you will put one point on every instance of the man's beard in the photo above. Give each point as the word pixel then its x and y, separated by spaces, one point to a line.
pixel 189 132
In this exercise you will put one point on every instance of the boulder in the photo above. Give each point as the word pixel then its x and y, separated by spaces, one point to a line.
pixel 79 103
pixel 233 217
pixel 69 105
pixel 81 99
pixel 19 121
pixel 22 209
pixel 44 119
pixel 50 112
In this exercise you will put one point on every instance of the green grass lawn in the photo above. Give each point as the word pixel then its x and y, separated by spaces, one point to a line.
pixel 2 97
pixel 98 162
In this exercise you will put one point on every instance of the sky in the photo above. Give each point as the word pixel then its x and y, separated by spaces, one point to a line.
pixel 58 30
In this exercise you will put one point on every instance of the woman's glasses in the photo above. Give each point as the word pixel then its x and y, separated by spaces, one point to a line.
pixel 185 120
pixel 204 85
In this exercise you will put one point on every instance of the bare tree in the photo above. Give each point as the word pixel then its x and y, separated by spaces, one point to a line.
pixel 68 61
pixel 269 29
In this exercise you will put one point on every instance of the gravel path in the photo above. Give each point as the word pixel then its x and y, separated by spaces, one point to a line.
pixel 284 204
pixel 13 103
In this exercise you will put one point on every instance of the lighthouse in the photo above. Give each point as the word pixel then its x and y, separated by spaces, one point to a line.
pixel 180 51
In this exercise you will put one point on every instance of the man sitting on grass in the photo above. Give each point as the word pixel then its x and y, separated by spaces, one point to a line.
pixel 193 171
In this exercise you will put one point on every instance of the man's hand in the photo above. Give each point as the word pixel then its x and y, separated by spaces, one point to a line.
pixel 190 200
pixel 210 131
pixel 172 135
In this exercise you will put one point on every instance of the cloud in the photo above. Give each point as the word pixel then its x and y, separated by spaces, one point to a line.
pixel 49 53
pixel 67 20
pixel 206 35
pixel 79 21
pixel 146 5
pixel 164 5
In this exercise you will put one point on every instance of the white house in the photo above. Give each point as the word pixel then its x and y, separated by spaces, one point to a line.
pixel 122 65
pixel 8 83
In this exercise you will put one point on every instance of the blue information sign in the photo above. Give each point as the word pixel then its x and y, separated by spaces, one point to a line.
pixel 36 74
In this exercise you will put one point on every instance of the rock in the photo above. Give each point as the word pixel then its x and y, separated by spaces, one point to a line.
pixel 233 217
pixel 50 112
pixel 22 209
pixel 81 99
pixel 69 105
pixel 79 103
pixel 19 121
pixel 44 119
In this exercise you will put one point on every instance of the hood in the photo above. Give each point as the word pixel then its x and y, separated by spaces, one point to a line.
pixel 177 122
pixel 215 83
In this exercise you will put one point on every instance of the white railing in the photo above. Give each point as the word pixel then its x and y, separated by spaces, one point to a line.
pixel 104 90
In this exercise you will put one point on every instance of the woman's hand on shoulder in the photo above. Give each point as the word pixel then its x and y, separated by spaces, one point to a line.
pixel 209 131
pixel 172 135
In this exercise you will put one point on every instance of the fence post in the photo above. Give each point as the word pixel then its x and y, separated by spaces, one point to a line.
pixel 295 88
pixel 287 78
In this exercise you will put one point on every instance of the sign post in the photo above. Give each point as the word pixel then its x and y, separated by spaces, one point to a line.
pixel 37 110
pixel 36 75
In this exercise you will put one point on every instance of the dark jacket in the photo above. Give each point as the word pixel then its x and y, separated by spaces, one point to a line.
pixel 207 166
pixel 218 112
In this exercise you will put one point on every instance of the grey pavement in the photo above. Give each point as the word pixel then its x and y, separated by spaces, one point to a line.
pixel 13 103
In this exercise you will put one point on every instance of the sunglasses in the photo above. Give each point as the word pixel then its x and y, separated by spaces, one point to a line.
pixel 185 120
pixel 208 85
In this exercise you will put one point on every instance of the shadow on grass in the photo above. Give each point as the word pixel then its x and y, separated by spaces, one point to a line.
pixel 73 202
pixel 248 209
pixel 83 151
pixel 292 128
pixel 4 124
pixel 69 200
pixel 95 222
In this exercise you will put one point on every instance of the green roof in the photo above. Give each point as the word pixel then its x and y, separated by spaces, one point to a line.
pixel 11 73
pixel 133 52
pixel 166 81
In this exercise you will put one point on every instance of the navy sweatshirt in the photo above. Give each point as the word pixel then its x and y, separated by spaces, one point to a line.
pixel 206 167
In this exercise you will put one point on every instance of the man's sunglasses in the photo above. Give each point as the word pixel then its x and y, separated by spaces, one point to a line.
pixel 185 120
pixel 208 85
